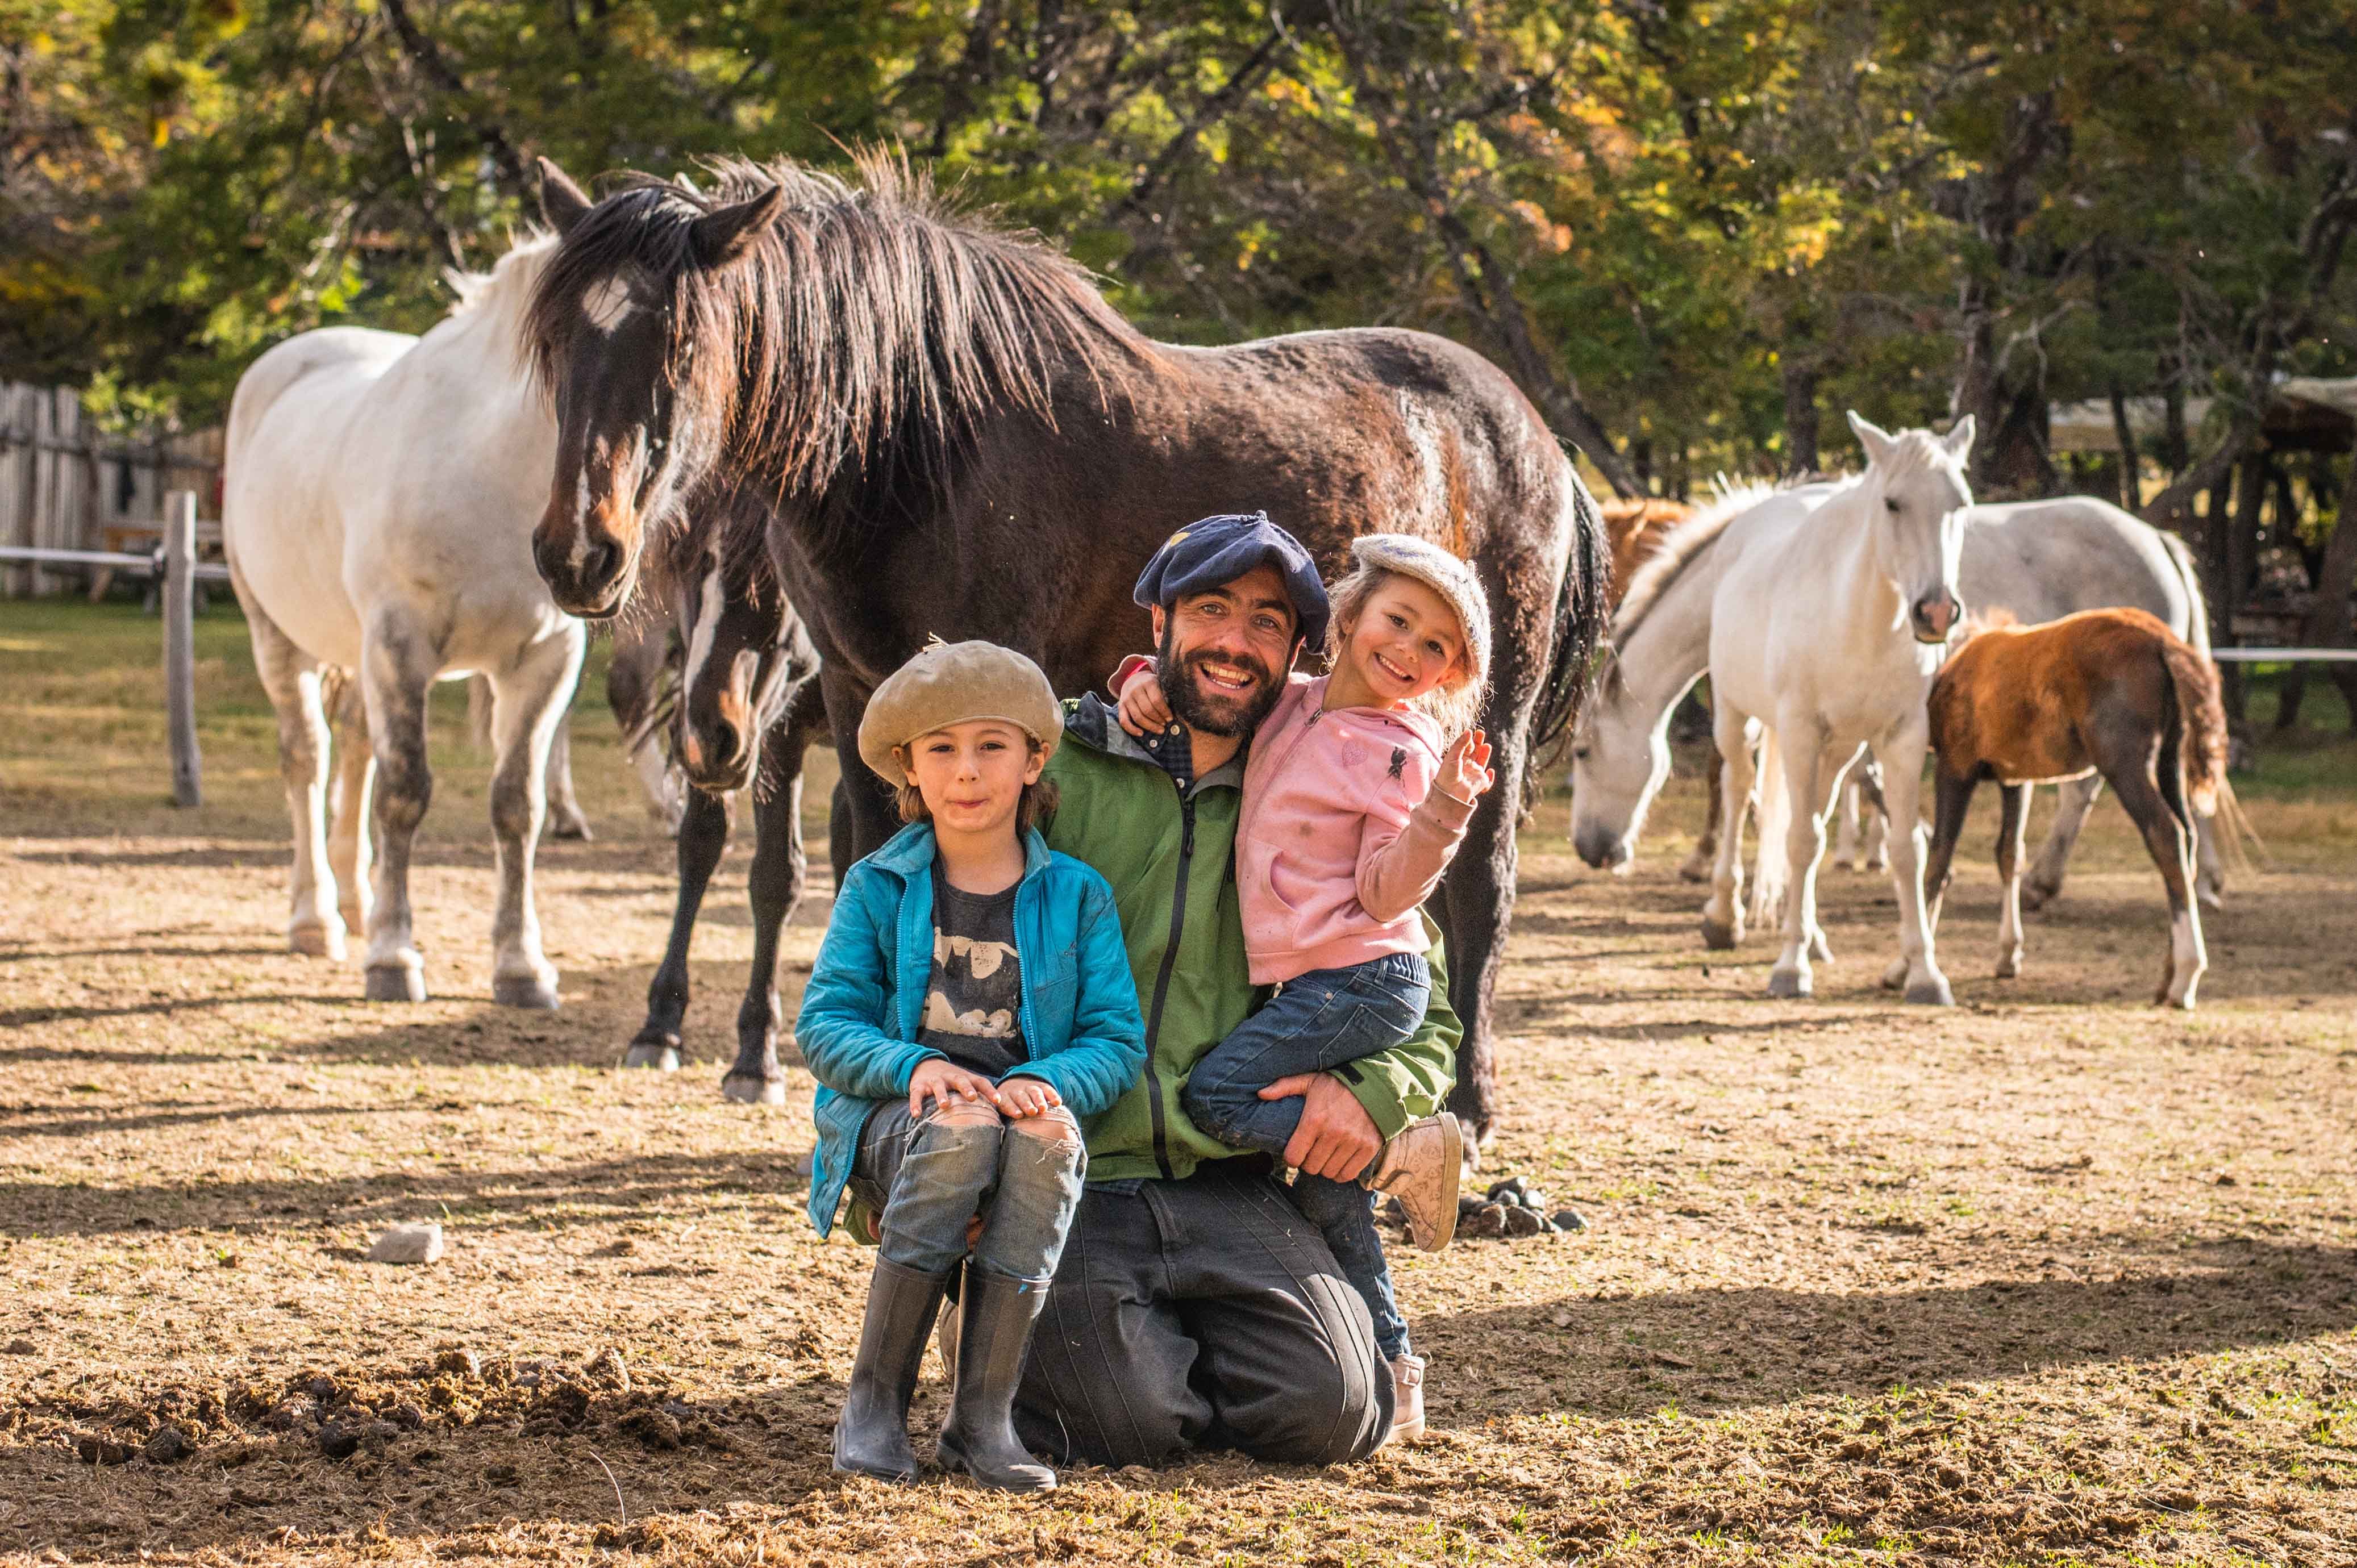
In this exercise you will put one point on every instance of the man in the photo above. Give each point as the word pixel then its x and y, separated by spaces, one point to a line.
pixel 1195 1306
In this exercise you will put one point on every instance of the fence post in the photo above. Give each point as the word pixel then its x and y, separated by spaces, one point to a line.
pixel 180 645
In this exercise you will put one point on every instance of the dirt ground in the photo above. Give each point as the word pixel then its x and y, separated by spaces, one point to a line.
pixel 2049 1277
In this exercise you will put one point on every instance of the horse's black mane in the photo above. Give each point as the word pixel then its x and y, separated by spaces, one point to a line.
pixel 871 327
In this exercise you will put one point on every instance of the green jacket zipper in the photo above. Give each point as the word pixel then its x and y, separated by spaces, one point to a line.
pixel 1162 986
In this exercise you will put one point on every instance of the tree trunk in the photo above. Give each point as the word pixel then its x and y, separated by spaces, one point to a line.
pixel 2327 624
pixel 1801 455
pixel 2131 461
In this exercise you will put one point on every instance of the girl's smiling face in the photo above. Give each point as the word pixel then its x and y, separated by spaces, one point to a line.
pixel 1405 642
pixel 971 774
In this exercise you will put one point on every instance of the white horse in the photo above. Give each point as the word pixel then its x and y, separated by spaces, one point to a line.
pixel 2037 560
pixel 382 493
pixel 1826 629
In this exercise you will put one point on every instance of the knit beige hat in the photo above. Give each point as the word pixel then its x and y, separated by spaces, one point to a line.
pixel 1445 575
pixel 948 683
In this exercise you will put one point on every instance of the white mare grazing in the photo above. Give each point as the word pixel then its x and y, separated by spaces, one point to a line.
pixel 381 496
pixel 2036 560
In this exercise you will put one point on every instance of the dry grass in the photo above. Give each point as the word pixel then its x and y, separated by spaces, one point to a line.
pixel 2049 1277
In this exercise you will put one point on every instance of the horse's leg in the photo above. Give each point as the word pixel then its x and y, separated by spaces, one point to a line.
pixel 873 817
pixel 397 666
pixel 2151 789
pixel 2046 873
pixel 1952 798
pixel 348 833
pixel 1807 771
pixel 1865 777
pixel 1918 968
pixel 291 677
pixel 702 839
pixel 1839 775
pixel 1705 850
pixel 1478 903
pixel 2210 885
pixel 2012 828
pixel 1722 916
pixel 1846 844
pixel 533 691
pixel 566 818
pixel 781 872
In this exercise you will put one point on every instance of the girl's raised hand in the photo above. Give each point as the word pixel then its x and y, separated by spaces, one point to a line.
pixel 1143 709
pixel 1020 1097
pixel 946 1083
pixel 1465 771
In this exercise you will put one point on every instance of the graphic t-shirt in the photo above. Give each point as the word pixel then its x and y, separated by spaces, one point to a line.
pixel 973 1003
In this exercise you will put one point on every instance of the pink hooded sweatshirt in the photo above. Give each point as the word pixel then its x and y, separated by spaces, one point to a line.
pixel 1342 834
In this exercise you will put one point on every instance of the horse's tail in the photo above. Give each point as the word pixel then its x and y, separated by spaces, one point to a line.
pixel 2201 724
pixel 2196 630
pixel 1772 807
pixel 479 702
pixel 1582 605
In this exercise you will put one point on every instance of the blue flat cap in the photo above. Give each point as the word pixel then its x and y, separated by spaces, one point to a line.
pixel 1202 555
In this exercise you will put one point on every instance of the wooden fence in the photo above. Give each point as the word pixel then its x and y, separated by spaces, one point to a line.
pixel 64 481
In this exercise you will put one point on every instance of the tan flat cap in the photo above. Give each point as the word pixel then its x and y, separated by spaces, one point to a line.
pixel 949 683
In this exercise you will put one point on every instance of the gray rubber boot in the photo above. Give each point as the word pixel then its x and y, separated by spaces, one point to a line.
pixel 871 1437
pixel 999 1314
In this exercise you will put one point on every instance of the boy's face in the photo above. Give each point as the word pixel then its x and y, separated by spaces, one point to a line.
pixel 972 775
pixel 1224 652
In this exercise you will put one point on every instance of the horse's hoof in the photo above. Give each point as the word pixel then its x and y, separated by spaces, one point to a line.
pixel 395 982
pixel 2037 895
pixel 651 1054
pixel 321 940
pixel 1843 862
pixel 1932 992
pixel 1718 937
pixel 1790 982
pixel 2209 899
pixel 572 826
pixel 525 990
pixel 2009 967
pixel 746 1089
pixel 1819 950
pixel 1695 870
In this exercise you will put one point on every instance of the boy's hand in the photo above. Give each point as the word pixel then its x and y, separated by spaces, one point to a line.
pixel 1143 710
pixel 1019 1097
pixel 945 1083
pixel 1465 772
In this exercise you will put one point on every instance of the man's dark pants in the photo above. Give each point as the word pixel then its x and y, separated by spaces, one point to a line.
pixel 1201 1314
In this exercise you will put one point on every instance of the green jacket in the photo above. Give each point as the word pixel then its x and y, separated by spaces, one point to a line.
pixel 1170 859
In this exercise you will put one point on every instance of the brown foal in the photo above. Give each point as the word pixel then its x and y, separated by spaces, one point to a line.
pixel 2112 692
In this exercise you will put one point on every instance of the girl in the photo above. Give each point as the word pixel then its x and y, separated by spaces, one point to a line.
pixel 1355 800
pixel 971 1004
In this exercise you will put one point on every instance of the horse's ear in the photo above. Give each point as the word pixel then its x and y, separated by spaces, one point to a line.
pixel 1872 436
pixel 1959 440
pixel 562 202
pixel 720 237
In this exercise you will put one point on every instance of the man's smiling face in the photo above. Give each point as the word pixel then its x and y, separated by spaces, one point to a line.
pixel 1224 652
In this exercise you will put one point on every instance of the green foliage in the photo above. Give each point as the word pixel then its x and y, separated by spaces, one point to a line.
pixel 1706 220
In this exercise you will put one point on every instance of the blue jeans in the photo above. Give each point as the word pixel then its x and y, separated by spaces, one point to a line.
pixel 1321 1021
pixel 929 1178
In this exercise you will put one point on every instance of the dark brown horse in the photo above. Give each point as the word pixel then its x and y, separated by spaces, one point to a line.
pixel 2110 691
pixel 741 707
pixel 961 438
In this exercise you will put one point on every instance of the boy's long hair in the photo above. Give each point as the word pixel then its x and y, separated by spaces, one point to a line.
pixel 1038 799
pixel 1454 706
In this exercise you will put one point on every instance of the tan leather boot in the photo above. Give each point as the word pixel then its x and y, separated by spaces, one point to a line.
pixel 1421 1167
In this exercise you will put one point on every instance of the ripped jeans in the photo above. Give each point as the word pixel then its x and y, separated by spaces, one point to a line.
pixel 928 1177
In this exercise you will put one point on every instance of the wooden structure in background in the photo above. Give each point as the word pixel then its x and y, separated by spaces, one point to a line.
pixel 64 483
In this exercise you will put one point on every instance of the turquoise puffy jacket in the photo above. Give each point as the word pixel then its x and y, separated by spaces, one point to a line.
pixel 867 994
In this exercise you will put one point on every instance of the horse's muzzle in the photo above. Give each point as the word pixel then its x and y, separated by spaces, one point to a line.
pixel 1934 616
pixel 1602 848
pixel 591 583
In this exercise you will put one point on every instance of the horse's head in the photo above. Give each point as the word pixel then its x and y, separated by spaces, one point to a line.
pixel 1916 487
pixel 614 333
pixel 739 634
pixel 1620 755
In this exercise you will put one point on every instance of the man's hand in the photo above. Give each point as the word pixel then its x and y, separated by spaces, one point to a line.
pixel 1337 1138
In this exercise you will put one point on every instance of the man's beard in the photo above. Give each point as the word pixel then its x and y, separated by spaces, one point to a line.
pixel 1213 713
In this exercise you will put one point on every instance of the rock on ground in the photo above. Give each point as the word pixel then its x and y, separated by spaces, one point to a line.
pixel 408 1244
